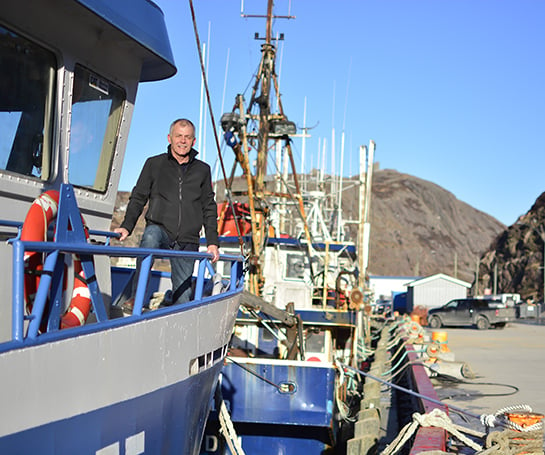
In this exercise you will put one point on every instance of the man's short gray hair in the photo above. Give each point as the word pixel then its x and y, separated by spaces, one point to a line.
pixel 182 122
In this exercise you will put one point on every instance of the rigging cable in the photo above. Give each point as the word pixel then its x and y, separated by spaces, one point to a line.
pixel 263 378
pixel 213 121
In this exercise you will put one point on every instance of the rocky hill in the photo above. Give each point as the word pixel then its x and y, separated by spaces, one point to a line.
pixel 514 261
pixel 417 227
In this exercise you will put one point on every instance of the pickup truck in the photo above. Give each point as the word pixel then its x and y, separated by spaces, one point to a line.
pixel 481 313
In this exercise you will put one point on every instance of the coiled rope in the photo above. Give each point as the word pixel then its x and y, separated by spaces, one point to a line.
pixel 512 441
pixel 500 417
pixel 435 418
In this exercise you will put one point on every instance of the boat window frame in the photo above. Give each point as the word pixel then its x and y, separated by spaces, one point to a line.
pixel 99 165
pixel 39 144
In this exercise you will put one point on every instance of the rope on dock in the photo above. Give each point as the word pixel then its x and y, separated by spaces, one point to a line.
pixel 525 437
pixel 506 442
pixel 500 417
pixel 436 418
pixel 512 442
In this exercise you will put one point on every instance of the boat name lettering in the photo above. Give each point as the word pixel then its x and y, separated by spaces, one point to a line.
pixel 134 445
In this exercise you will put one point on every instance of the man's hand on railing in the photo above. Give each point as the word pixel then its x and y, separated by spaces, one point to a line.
pixel 123 233
pixel 214 251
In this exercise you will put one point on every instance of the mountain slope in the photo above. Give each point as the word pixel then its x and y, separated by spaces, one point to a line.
pixel 514 261
pixel 417 227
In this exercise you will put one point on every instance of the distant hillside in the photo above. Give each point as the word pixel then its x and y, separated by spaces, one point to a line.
pixel 514 261
pixel 417 227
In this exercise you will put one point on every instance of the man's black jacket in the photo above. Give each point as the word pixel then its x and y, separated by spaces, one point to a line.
pixel 181 199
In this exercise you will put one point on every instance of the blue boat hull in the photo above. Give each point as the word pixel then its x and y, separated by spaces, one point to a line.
pixel 300 419
pixel 151 424
pixel 141 385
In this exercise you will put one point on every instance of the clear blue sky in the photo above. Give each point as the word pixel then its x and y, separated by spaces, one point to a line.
pixel 451 91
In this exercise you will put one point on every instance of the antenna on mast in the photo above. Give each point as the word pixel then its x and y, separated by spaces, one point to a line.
pixel 256 125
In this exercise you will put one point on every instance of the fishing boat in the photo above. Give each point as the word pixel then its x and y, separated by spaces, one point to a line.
pixel 77 374
pixel 283 383
pixel 311 367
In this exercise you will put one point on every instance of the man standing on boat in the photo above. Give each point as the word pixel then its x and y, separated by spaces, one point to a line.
pixel 178 188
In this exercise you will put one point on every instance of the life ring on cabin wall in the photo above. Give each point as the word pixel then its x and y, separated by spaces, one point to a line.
pixel 41 214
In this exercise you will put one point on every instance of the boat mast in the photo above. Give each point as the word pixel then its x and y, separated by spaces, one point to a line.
pixel 270 126
pixel 364 231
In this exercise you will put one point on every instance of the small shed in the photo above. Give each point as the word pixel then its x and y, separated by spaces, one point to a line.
pixel 435 290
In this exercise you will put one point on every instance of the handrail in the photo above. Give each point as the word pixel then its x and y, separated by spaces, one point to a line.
pixel 53 269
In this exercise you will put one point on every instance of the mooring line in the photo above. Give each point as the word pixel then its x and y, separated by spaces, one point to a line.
pixel 255 374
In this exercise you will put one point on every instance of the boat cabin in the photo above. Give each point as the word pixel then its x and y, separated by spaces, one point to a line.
pixel 69 73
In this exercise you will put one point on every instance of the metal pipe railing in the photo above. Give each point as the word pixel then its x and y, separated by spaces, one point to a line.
pixel 53 269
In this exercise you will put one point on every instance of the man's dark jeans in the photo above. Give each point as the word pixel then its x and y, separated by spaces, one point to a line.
pixel 154 236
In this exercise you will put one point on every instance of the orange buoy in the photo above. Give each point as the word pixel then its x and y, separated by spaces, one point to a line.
pixel 433 351
pixel 42 212
pixel 523 418
pixel 441 338
pixel 80 305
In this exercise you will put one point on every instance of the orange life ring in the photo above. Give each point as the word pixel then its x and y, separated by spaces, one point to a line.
pixel 80 305
pixel 41 213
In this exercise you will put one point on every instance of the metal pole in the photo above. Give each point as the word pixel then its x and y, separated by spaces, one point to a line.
pixel 477 277
pixel 361 216
pixel 367 206
pixel 304 147
pixel 340 195
pixel 495 278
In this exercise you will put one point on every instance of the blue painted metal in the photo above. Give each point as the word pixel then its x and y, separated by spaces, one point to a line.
pixel 204 267
pixel 169 420
pixel 339 318
pixel 122 275
pixel 292 242
pixel 51 267
pixel 268 344
pixel 168 413
pixel 144 22
pixel 284 440
pixel 308 406
pixel 162 415
pixel 72 240
pixel 236 279
pixel 18 308
pixel 301 421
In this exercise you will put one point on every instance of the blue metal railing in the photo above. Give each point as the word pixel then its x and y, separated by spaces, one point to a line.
pixel 71 239
pixel 50 288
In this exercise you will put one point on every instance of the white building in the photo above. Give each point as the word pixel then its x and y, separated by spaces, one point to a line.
pixel 385 287
pixel 435 290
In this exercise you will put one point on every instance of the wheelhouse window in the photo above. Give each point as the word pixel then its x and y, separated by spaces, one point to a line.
pixel 295 267
pixel 96 116
pixel 27 91
pixel 315 341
